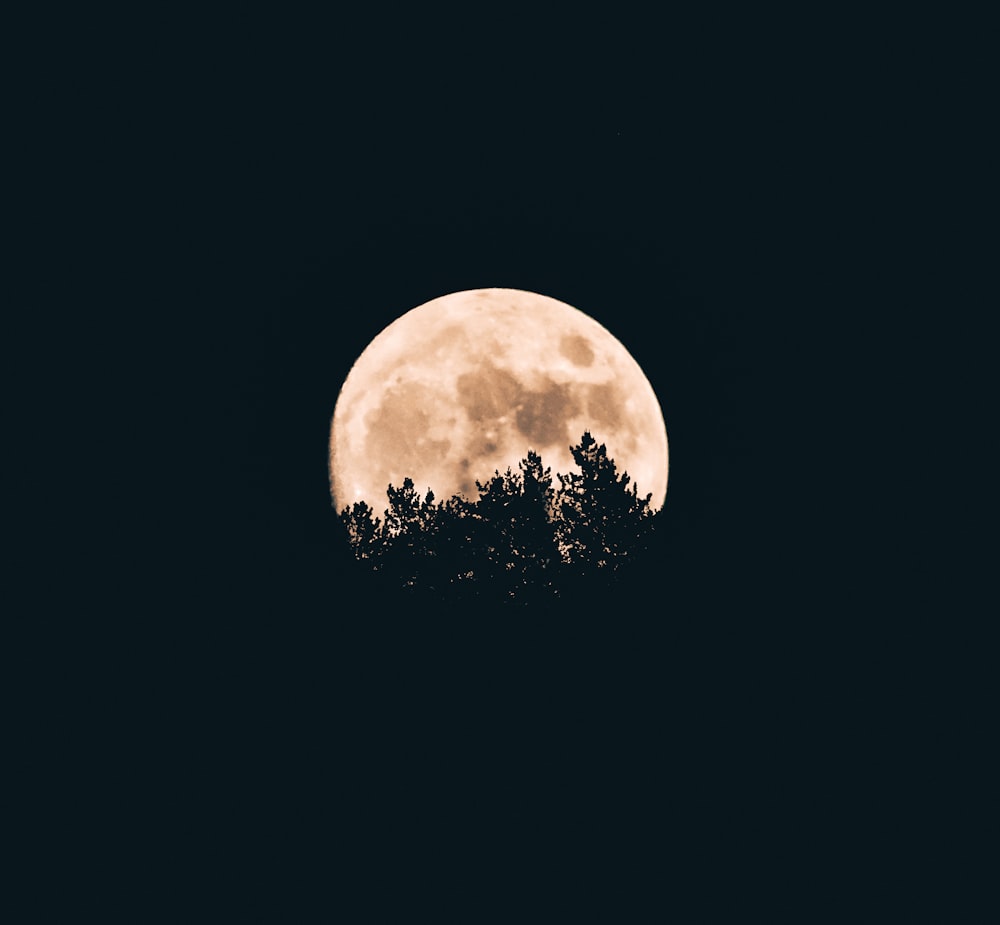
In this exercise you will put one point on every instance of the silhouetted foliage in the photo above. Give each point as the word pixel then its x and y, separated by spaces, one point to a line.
pixel 601 522
pixel 522 541
pixel 362 530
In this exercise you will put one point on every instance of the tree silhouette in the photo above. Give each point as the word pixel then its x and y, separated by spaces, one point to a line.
pixel 404 545
pixel 515 529
pixel 521 541
pixel 362 531
pixel 601 521
pixel 407 516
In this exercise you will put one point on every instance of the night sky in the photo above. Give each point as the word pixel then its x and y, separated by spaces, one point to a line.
pixel 601 217
pixel 273 199
pixel 296 215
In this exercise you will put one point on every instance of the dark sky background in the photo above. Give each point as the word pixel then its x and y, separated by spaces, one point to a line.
pixel 250 201
pixel 275 196
pixel 564 216
pixel 294 202
pixel 307 231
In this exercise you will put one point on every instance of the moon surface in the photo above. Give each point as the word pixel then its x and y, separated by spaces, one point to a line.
pixel 467 383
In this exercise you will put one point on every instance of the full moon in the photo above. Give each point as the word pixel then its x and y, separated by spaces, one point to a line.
pixel 467 383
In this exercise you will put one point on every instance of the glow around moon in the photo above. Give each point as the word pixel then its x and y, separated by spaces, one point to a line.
pixel 469 382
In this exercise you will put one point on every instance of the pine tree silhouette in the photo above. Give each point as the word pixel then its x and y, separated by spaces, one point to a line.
pixel 601 521
pixel 522 541
pixel 362 531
